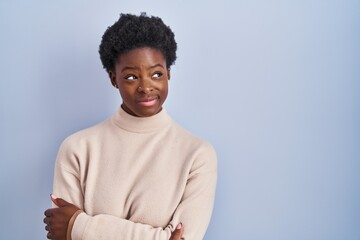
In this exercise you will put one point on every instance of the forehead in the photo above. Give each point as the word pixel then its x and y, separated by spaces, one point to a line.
pixel 141 56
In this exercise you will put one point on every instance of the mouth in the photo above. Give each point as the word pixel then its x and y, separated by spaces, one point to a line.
pixel 148 101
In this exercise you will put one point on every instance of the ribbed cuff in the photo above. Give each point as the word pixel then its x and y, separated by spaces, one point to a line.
pixel 71 224
pixel 79 226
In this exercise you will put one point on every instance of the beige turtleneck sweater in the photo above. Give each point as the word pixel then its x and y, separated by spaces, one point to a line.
pixel 137 178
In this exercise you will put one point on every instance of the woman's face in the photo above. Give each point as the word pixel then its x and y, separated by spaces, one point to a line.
pixel 142 78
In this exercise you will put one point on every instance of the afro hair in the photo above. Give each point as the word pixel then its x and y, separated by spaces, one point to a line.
pixel 131 32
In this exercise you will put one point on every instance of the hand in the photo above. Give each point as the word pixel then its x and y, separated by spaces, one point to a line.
pixel 57 219
pixel 177 234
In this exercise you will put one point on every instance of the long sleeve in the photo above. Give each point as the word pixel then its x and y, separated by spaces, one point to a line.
pixel 102 226
pixel 67 185
pixel 195 208
pixel 79 179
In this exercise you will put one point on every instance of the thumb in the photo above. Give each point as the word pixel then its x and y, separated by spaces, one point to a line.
pixel 59 201
pixel 177 233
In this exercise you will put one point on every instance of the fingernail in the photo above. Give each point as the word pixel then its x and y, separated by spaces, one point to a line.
pixel 179 226
pixel 53 196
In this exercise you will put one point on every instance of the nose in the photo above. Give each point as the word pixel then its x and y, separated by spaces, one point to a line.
pixel 145 86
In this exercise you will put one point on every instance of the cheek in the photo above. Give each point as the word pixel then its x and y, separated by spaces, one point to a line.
pixel 125 92
pixel 165 91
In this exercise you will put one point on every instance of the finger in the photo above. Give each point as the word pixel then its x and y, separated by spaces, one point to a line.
pixel 49 235
pixel 48 228
pixel 59 201
pixel 48 212
pixel 53 198
pixel 47 220
pixel 177 233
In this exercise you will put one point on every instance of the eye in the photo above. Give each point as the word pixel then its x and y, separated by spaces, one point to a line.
pixel 157 75
pixel 130 77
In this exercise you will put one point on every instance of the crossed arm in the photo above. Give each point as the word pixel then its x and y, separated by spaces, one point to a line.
pixel 57 221
pixel 194 210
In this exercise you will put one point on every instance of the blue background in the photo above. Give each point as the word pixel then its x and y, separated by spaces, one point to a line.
pixel 273 85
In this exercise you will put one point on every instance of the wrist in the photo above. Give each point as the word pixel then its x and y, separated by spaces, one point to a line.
pixel 71 224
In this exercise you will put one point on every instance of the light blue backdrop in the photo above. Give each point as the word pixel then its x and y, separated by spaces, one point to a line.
pixel 273 85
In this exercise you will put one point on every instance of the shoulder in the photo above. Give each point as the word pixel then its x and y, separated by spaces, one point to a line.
pixel 188 136
pixel 74 150
pixel 84 137
pixel 201 149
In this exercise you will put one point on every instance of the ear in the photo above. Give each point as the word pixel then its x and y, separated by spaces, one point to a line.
pixel 168 73
pixel 112 76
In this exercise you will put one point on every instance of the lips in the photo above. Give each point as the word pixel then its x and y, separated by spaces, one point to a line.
pixel 148 101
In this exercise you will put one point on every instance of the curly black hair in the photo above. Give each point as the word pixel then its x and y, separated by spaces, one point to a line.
pixel 131 32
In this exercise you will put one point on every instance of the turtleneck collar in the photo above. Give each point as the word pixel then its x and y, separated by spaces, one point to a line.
pixel 141 124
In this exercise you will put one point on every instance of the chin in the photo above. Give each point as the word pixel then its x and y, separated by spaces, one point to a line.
pixel 147 112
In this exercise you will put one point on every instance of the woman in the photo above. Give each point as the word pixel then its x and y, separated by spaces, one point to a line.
pixel 137 175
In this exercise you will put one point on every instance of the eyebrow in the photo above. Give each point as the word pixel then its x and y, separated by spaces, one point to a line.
pixel 137 68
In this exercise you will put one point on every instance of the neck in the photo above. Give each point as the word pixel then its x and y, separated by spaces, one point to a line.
pixel 132 123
